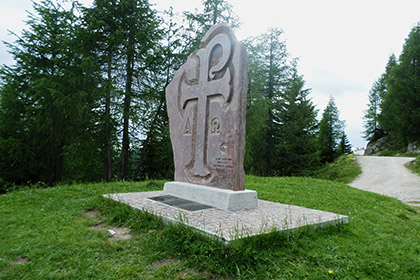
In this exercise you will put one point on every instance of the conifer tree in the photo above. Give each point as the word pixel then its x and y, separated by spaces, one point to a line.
pixel 213 12
pixel 400 116
pixel 296 148
pixel 268 71
pixel 371 117
pixel 140 36
pixel 377 94
pixel 330 132
pixel 344 147
pixel 281 122
pixel 51 91
pixel 102 32
pixel 155 159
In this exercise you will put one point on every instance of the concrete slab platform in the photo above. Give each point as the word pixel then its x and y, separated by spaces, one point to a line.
pixel 230 225
pixel 220 198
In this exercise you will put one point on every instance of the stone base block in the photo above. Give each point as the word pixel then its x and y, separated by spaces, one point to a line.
pixel 232 225
pixel 219 198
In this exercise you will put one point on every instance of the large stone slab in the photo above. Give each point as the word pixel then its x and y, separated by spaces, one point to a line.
pixel 219 198
pixel 231 225
pixel 206 103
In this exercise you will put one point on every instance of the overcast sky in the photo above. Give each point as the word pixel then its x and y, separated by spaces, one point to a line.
pixel 343 46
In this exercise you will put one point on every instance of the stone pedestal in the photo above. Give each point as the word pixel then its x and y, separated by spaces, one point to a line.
pixel 219 198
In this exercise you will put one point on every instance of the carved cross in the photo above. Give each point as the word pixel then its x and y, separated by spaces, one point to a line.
pixel 207 87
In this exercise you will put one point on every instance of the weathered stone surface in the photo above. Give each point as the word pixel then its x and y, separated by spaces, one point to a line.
pixel 413 148
pixel 375 147
pixel 206 104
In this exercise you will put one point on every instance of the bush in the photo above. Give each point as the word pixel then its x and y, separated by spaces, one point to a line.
pixel 415 165
pixel 345 169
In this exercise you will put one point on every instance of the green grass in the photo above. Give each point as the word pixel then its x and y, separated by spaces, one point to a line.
pixel 415 165
pixel 396 153
pixel 345 169
pixel 45 235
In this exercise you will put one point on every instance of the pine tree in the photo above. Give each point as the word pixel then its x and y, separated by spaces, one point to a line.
pixel 400 116
pixel 377 94
pixel 344 147
pixel 296 148
pixel 330 132
pixel 281 122
pixel 371 117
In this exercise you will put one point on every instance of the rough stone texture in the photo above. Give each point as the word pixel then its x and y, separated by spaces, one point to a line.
pixel 374 148
pixel 231 225
pixel 386 144
pixel 222 199
pixel 206 104
pixel 413 148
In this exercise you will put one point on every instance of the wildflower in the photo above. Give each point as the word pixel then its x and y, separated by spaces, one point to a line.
pixel 330 271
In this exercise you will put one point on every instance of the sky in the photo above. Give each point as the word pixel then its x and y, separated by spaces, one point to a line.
pixel 342 46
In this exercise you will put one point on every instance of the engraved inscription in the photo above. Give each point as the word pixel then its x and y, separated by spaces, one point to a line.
pixel 223 163
pixel 187 130
pixel 215 126
pixel 224 148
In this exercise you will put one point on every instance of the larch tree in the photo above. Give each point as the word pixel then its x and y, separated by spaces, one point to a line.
pixel 51 87
pixel 140 31
pixel 268 71
pixel 103 32
pixel 155 156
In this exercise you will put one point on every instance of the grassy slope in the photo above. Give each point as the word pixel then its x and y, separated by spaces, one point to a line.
pixel 345 169
pixel 48 230
pixel 415 165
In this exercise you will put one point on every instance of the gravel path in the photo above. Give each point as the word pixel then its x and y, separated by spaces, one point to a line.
pixel 388 176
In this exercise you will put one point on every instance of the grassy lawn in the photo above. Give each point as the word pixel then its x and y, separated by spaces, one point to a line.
pixel 46 234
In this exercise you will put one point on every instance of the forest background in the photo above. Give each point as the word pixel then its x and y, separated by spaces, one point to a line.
pixel 84 100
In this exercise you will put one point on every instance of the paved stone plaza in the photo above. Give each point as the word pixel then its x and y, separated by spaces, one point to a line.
pixel 230 225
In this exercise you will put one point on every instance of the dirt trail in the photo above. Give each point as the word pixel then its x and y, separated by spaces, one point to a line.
pixel 388 176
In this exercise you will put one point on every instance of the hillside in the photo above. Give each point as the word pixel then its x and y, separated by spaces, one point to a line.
pixel 46 234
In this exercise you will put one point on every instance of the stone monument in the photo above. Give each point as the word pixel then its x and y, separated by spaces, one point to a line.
pixel 206 103
pixel 206 106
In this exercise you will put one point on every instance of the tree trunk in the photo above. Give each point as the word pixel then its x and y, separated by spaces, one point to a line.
pixel 270 95
pixel 55 168
pixel 108 150
pixel 146 142
pixel 126 112
pixel 150 134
